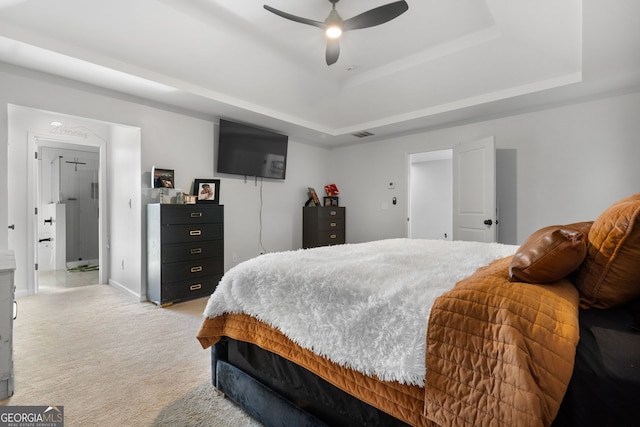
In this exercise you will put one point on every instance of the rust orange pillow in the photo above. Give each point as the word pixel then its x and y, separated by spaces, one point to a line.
pixel 550 254
pixel 610 273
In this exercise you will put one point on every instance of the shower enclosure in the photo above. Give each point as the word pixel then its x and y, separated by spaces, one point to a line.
pixel 68 208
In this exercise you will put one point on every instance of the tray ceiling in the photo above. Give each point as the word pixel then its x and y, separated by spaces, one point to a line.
pixel 439 63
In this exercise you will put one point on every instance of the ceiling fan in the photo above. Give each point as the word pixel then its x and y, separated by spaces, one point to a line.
pixel 334 25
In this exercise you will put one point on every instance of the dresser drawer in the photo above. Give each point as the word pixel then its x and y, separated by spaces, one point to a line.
pixel 191 214
pixel 326 213
pixel 330 224
pixel 183 290
pixel 191 233
pixel 330 237
pixel 175 271
pixel 193 250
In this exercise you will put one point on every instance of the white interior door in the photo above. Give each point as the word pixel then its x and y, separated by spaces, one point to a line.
pixel 474 191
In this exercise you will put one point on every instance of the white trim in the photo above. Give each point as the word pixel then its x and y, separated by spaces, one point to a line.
pixel 126 290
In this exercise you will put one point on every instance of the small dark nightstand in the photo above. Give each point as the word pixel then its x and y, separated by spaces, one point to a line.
pixel 323 226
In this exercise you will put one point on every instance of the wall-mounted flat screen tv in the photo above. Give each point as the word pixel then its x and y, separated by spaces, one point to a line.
pixel 249 151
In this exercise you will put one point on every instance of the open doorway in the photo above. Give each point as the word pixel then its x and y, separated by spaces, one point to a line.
pixel 431 195
pixel 120 213
pixel 432 182
pixel 67 197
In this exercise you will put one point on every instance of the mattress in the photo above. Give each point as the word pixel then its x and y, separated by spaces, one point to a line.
pixel 497 353
pixel 605 386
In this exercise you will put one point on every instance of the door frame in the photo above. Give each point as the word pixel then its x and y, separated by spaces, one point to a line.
pixel 33 171
pixel 445 148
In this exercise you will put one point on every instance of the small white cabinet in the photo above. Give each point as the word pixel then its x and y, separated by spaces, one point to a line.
pixel 7 292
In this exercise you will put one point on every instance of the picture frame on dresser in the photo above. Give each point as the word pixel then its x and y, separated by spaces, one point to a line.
pixel 313 197
pixel 331 201
pixel 162 178
pixel 207 190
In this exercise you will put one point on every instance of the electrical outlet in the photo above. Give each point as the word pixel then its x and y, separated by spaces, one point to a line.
pixel 234 257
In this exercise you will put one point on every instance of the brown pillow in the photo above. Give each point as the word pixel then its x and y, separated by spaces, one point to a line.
pixel 550 254
pixel 610 273
pixel 584 228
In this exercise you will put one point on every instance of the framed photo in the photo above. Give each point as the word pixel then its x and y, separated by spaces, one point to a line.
pixel 162 178
pixel 207 190
pixel 314 196
pixel 331 201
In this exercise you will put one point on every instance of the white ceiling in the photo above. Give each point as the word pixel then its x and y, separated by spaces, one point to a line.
pixel 441 62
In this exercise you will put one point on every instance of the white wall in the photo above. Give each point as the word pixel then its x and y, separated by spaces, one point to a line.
pixel 567 164
pixel 282 203
pixel 174 140
pixel 571 163
pixel 125 229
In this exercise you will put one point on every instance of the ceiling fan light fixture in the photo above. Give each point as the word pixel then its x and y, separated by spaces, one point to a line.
pixel 334 24
pixel 333 32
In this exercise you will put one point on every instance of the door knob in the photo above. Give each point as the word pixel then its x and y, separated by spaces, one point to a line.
pixel 488 222
pixel 12 226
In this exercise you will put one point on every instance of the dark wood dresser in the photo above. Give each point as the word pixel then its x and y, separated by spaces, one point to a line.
pixel 323 226
pixel 185 251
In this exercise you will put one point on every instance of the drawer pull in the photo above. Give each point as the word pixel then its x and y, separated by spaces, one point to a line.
pixel 196 214
pixel 334 224
pixel 196 269
pixel 195 232
pixel 333 236
pixel 333 213
pixel 195 287
pixel 196 251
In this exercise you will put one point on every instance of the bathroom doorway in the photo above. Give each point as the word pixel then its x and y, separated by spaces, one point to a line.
pixel 120 212
pixel 68 249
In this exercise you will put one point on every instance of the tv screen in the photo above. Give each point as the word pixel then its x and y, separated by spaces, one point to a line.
pixel 249 151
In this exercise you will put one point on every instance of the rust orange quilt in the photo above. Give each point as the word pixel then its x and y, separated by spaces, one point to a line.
pixel 499 353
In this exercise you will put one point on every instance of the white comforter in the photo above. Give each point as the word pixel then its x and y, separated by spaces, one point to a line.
pixel 364 306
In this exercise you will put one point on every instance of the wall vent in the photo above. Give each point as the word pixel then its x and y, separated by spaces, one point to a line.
pixel 362 134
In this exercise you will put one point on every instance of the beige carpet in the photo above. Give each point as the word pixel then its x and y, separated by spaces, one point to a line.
pixel 113 361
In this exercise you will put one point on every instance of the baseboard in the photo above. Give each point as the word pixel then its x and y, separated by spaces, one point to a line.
pixel 22 293
pixel 127 290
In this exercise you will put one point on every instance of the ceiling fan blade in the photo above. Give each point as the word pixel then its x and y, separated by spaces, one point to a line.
pixel 376 16
pixel 333 51
pixel 295 18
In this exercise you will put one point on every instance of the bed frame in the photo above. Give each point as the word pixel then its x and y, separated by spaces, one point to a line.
pixel 604 389
pixel 277 392
pixel 605 386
